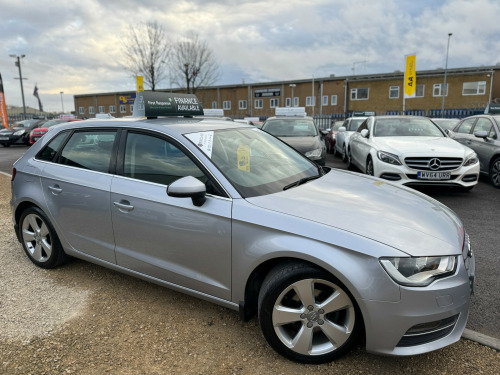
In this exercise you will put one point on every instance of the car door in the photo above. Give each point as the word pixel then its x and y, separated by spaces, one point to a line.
pixel 485 148
pixel 463 132
pixel 164 237
pixel 76 186
pixel 360 146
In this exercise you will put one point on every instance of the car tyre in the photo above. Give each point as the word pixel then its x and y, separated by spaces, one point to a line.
pixel 344 154
pixel 495 172
pixel 349 160
pixel 306 314
pixel 39 239
pixel 6 144
pixel 369 167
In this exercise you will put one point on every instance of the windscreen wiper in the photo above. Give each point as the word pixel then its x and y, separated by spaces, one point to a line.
pixel 301 181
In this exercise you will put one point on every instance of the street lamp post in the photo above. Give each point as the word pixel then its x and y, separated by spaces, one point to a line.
pixel 445 89
pixel 292 85
pixel 62 103
pixel 18 64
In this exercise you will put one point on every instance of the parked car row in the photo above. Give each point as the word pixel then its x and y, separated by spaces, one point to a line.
pixel 27 132
pixel 413 150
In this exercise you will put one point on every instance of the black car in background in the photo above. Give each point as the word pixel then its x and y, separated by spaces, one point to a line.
pixel 482 134
pixel 19 133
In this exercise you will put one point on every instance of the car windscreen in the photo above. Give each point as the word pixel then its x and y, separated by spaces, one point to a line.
pixel 354 124
pixel 256 163
pixel 406 127
pixel 301 127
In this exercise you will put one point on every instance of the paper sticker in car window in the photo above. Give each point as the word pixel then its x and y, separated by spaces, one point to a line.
pixel 204 141
pixel 244 158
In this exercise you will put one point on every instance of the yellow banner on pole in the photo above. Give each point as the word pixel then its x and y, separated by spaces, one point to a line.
pixel 140 84
pixel 410 84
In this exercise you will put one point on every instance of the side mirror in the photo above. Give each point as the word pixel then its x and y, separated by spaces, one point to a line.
pixel 324 132
pixel 364 133
pixel 342 129
pixel 481 134
pixel 188 187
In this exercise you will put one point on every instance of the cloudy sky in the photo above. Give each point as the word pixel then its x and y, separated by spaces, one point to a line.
pixel 76 46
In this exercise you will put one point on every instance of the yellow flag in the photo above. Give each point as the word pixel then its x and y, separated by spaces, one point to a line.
pixel 140 85
pixel 410 77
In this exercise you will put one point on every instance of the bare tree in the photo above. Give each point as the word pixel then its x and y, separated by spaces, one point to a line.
pixel 193 64
pixel 146 51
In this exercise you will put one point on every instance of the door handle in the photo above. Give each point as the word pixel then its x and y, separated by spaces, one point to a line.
pixel 55 189
pixel 123 206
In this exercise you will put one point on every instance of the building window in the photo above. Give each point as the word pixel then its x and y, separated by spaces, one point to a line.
pixel 214 105
pixel 288 102
pixel 112 109
pixel 419 91
pixel 242 104
pixel 226 104
pixel 359 94
pixel 393 92
pixel 123 108
pixel 334 99
pixel 101 109
pixel 91 110
pixel 274 103
pixel 474 88
pixel 438 90
pixel 310 101
pixel 258 103
pixel 81 110
pixel 296 101
pixel 324 100
pixel 131 108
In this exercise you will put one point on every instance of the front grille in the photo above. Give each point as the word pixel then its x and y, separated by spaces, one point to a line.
pixel 415 177
pixel 433 164
pixel 426 332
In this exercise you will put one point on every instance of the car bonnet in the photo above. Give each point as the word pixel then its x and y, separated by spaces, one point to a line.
pixel 425 146
pixel 395 216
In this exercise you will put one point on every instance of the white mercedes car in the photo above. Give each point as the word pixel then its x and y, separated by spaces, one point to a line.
pixel 411 150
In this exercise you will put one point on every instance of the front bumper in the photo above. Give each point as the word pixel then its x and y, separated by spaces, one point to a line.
pixel 425 319
pixel 11 139
pixel 402 175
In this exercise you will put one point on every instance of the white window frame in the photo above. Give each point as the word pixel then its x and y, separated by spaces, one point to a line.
pixel 288 102
pixel 226 104
pixel 101 109
pixel 416 91
pixel 480 88
pixel 273 103
pixel 439 87
pixel 91 110
pixel 242 104
pixel 334 100
pixel 324 100
pixel 112 109
pixel 393 92
pixel 310 101
pixel 81 110
pixel 296 101
pixel 355 96
pixel 131 108
pixel 214 105
pixel 259 103
pixel 123 108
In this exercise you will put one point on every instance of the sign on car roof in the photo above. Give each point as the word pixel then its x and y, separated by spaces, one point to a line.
pixel 154 104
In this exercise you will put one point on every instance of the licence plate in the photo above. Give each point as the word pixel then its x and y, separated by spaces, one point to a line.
pixel 434 175
pixel 4 138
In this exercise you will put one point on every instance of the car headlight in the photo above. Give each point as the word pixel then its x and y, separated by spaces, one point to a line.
pixel 419 271
pixel 471 160
pixel 316 153
pixel 388 158
pixel 19 132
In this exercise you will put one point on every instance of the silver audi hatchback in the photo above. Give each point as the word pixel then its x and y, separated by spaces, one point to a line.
pixel 229 213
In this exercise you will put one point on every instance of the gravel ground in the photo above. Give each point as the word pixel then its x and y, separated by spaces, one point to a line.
pixel 84 319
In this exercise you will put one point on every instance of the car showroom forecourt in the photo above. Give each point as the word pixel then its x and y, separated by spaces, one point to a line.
pixel 253 214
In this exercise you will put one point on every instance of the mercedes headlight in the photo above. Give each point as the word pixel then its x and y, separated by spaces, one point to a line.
pixel 314 153
pixel 386 157
pixel 19 132
pixel 420 271
pixel 471 160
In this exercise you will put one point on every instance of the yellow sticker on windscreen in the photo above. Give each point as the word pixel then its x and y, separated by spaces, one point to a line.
pixel 244 158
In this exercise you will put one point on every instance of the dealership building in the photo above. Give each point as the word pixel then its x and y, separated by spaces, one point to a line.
pixel 469 90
